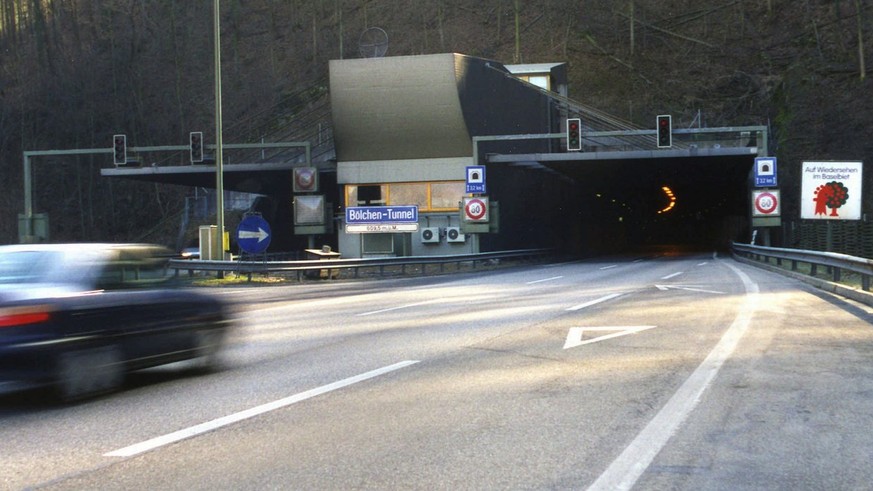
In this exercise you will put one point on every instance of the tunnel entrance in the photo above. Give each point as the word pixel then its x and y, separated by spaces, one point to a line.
pixel 685 202
pixel 626 205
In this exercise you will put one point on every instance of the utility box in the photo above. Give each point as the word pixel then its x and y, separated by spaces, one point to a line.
pixel 210 247
pixel 323 254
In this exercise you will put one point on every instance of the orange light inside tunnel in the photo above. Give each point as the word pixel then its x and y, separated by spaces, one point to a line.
pixel 671 196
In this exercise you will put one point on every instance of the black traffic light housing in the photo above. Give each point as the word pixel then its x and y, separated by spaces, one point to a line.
pixel 119 149
pixel 196 144
pixel 574 134
pixel 665 130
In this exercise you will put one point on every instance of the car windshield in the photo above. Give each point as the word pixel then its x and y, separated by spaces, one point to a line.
pixel 22 267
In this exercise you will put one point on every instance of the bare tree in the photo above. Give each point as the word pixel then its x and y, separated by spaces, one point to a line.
pixel 862 68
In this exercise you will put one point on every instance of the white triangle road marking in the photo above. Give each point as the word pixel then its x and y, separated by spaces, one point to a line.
pixel 688 288
pixel 574 336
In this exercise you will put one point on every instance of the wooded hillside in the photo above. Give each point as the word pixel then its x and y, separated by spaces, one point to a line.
pixel 75 72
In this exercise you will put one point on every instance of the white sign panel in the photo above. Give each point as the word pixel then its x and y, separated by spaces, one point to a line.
pixel 381 228
pixel 831 190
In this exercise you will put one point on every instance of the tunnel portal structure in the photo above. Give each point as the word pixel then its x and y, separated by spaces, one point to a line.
pixel 406 130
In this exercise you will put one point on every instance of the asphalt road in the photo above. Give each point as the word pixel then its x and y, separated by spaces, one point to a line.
pixel 672 372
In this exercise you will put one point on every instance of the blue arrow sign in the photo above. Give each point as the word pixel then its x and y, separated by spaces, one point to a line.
pixel 253 234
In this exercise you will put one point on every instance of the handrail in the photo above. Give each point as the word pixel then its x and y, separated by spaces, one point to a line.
pixel 250 267
pixel 836 262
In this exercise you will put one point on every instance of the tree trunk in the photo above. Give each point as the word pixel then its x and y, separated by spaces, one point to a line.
pixel 339 20
pixel 517 57
pixel 862 67
pixel 632 27
pixel 440 14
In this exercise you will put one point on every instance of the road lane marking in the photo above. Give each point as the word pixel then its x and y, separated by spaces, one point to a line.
pixel 689 288
pixel 627 468
pixel 553 278
pixel 671 275
pixel 374 312
pixel 186 433
pixel 595 302
pixel 574 335
pixel 609 267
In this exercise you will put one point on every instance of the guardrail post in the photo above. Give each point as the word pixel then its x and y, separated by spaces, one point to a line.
pixel 865 282
pixel 836 274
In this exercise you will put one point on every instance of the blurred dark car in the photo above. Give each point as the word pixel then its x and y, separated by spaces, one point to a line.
pixel 78 317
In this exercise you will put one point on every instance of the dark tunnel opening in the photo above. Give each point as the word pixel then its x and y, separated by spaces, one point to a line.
pixel 690 203
pixel 610 206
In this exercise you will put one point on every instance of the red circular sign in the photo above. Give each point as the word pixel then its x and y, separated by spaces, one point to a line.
pixel 475 209
pixel 766 203
pixel 305 178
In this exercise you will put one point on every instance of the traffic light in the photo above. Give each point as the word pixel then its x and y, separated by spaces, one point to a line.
pixel 119 145
pixel 574 134
pixel 196 138
pixel 665 131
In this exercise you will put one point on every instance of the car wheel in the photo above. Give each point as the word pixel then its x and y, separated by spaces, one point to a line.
pixel 207 349
pixel 88 372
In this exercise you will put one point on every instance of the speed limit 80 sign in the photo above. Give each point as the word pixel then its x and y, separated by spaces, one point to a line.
pixel 765 203
pixel 476 209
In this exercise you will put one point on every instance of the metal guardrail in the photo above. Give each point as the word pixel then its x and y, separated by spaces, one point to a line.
pixel 834 262
pixel 333 266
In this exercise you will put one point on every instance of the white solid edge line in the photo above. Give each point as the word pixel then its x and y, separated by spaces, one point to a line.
pixel 183 434
pixel 625 470
pixel 595 301
pixel 391 309
pixel 534 282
